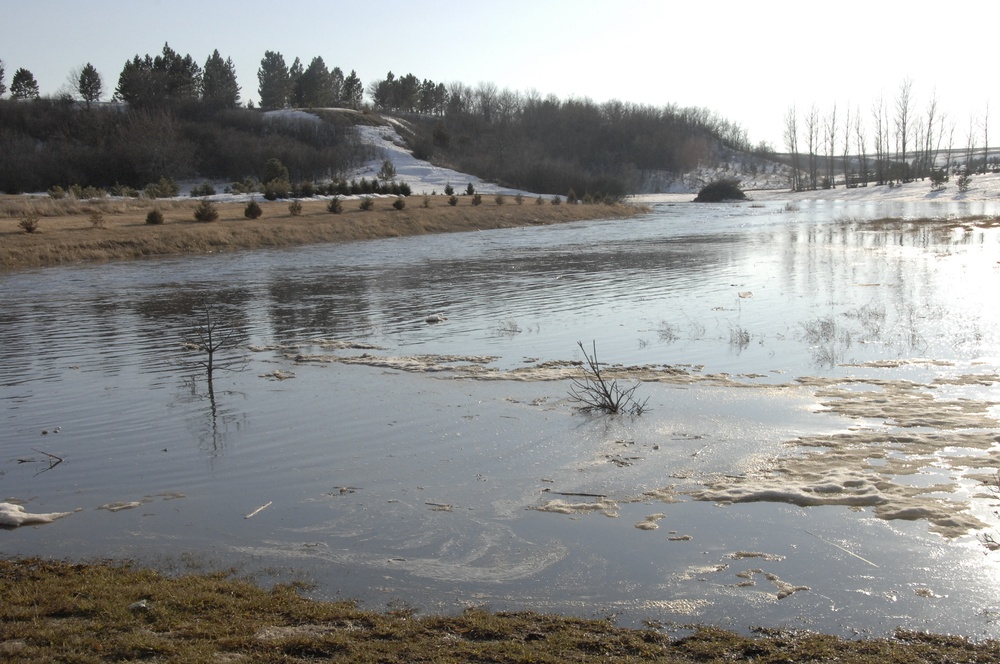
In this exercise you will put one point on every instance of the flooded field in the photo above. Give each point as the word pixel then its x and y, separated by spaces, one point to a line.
pixel 819 448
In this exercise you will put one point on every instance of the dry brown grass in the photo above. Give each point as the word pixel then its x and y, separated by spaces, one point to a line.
pixel 64 612
pixel 66 234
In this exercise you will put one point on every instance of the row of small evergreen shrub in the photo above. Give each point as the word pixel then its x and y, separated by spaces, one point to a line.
pixel 164 188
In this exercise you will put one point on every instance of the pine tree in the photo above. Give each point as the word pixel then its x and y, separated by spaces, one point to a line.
pixel 273 79
pixel 3 87
pixel 314 86
pixel 89 85
pixel 352 91
pixel 295 98
pixel 23 85
pixel 219 87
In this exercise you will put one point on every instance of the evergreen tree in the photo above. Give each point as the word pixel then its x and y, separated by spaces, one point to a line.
pixel 89 84
pixel 337 87
pixel 383 93
pixel 314 85
pixel 3 87
pixel 23 85
pixel 154 81
pixel 135 83
pixel 274 82
pixel 295 98
pixel 219 87
pixel 183 76
pixel 352 91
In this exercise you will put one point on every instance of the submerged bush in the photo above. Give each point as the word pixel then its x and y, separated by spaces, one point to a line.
pixel 721 190
pixel 595 392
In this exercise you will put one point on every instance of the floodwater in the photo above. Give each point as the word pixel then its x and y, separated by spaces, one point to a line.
pixel 817 449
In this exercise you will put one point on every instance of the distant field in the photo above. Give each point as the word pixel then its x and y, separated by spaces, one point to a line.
pixel 73 231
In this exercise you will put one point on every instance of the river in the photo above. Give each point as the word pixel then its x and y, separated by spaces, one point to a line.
pixel 816 451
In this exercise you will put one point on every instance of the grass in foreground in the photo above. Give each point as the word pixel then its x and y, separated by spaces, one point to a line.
pixel 66 233
pixel 56 611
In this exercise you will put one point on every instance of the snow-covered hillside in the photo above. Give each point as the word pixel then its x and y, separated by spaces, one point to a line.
pixel 761 179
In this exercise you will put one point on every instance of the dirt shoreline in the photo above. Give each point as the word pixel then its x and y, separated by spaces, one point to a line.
pixel 67 232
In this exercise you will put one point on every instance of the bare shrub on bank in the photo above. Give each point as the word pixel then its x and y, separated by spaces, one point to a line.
pixel 96 219
pixel 29 222
pixel 596 393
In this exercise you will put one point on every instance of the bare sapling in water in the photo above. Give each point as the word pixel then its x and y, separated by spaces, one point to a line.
pixel 594 392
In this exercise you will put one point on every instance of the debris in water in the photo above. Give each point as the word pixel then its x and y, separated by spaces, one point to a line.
pixel 12 516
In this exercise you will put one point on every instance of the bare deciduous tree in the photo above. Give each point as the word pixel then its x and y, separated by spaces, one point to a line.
pixel 904 109
pixel 830 143
pixel 812 141
pixel 792 145
pixel 859 134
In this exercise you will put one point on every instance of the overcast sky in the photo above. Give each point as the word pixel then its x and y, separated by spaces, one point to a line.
pixel 747 61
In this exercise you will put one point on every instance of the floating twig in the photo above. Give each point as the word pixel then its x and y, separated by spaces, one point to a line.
pixel 570 493
pixel 259 510
pixel 864 560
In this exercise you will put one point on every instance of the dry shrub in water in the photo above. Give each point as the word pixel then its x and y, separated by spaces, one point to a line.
pixel 595 392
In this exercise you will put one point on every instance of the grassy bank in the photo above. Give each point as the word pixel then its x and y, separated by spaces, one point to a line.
pixel 54 611
pixel 67 232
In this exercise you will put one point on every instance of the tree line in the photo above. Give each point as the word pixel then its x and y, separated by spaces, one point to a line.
pixel 896 144
pixel 551 145
pixel 182 119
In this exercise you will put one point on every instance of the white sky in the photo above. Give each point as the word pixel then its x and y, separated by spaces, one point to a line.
pixel 748 61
